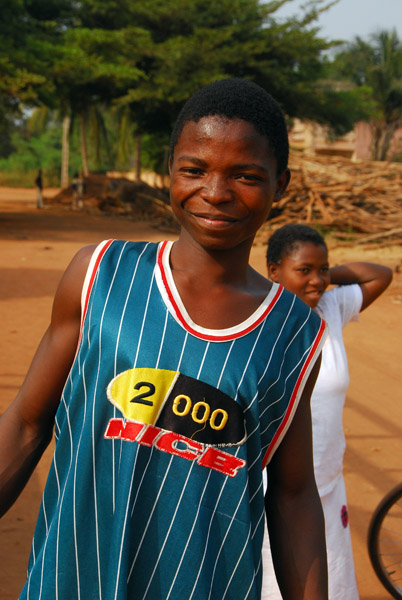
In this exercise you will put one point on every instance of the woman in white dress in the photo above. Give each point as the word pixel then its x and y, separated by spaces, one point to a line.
pixel 297 257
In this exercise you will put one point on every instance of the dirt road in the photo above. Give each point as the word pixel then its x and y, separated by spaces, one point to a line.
pixel 35 248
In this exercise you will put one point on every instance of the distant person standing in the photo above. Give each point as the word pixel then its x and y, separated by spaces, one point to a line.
pixel 39 185
pixel 78 191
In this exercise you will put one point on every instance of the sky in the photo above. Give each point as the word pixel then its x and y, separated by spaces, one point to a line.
pixel 349 18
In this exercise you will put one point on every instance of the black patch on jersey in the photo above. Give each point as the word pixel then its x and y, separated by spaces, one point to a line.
pixel 203 413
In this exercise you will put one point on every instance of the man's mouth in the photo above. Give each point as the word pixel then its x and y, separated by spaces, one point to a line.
pixel 216 220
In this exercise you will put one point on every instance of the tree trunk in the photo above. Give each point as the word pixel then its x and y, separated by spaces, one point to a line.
pixel 65 152
pixel 375 141
pixel 388 134
pixel 382 135
pixel 138 158
pixel 84 153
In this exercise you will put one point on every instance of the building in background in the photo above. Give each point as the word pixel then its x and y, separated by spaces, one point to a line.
pixel 314 139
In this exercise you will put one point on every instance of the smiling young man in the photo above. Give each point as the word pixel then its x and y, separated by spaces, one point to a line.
pixel 175 374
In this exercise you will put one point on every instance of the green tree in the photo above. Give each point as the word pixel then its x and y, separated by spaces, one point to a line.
pixel 30 32
pixel 93 70
pixel 377 65
pixel 195 43
pixel 17 78
pixel 57 54
pixel 118 69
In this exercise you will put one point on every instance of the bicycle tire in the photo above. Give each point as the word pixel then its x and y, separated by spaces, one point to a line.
pixel 384 540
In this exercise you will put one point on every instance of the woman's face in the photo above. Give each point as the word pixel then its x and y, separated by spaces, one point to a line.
pixel 305 272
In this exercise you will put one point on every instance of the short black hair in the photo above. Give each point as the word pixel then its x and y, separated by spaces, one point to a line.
pixel 286 239
pixel 235 98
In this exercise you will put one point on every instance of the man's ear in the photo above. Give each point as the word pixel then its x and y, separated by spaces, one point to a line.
pixel 170 164
pixel 273 272
pixel 282 184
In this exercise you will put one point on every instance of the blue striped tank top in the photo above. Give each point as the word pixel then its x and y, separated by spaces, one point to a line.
pixel 162 432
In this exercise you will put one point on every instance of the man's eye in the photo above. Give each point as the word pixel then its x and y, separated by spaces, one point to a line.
pixel 248 177
pixel 191 170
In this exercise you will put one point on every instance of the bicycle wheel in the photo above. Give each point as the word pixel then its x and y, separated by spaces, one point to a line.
pixel 385 541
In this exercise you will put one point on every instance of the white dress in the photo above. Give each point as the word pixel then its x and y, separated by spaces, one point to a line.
pixel 338 306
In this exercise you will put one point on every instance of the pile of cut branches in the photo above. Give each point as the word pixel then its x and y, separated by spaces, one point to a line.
pixel 124 198
pixel 357 201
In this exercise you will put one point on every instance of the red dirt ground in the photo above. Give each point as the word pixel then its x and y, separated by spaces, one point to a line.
pixel 35 248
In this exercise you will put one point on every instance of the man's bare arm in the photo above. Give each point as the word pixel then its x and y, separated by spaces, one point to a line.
pixel 294 513
pixel 26 426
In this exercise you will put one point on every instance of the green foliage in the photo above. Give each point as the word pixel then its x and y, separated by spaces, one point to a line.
pixel 155 149
pixel 123 69
pixel 37 147
pixel 195 43
pixel 376 66
pixel 40 150
pixel 32 153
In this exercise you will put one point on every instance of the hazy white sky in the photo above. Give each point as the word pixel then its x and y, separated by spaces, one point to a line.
pixel 349 18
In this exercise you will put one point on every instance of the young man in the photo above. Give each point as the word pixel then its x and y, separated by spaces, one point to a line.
pixel 180 375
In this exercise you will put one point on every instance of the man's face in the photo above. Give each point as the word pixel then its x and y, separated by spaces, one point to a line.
pixel 223 181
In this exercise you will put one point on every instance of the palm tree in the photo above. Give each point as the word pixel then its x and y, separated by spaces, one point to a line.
pixel 386 81
pixel 378 66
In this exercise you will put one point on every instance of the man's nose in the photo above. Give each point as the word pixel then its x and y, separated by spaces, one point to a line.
pixel 216 189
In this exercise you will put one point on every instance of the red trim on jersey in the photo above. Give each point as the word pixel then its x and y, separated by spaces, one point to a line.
pixel 91 281
pixel 206 336
pixel 295 391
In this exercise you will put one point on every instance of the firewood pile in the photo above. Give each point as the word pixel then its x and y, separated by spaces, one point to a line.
pixel 356 201
pixel 123 198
